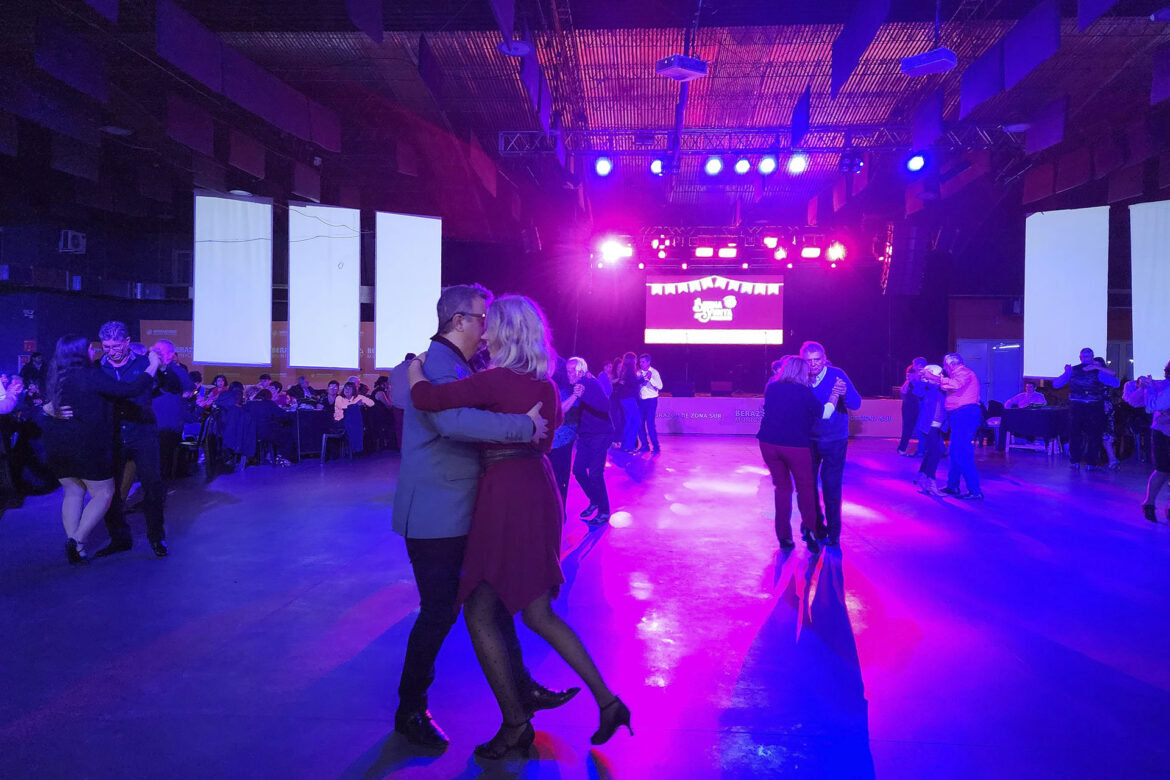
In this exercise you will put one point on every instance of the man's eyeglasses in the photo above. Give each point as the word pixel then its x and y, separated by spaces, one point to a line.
pixel 482 317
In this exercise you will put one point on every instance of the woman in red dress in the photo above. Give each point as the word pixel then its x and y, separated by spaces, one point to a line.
pixel 513 549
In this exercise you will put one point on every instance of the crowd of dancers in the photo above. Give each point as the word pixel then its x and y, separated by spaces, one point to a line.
pixel 486 458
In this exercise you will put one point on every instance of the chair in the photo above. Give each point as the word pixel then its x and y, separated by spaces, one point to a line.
pixel 189 446
pixel 343 440
pixel 992 419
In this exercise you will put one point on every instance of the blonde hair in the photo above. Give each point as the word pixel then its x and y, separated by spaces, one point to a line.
pixel 519 337
pixel 577 363
pixel 793 369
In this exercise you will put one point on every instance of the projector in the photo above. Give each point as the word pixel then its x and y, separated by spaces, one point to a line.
pixel 680 68
pixel 938 60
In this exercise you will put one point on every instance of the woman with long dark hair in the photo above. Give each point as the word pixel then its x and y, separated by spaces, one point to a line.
pixel 80 448
pixel 627 390
pixel 512 559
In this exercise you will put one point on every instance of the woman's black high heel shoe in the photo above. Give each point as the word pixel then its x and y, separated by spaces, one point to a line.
pixel 73 554
pixel 499 747
pixel 613 716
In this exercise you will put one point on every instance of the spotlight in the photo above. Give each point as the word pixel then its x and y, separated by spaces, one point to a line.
pixel 742 166
pixel 713 166
pixel 790 265
pixel 836 251
pixel 850 162
pixel 654 244
pixel 832 265
pixel 810 252
pixel 728 252
pixel 656 167
pixel 661 254
pixel 767 165
pixel 744 266
pixel 780 253
pixel 601 265
pixel 603 166
pixel 705 251
pixel 798 163
pixel 614 249
pixel 916 162
pixel 771 242
pixel 684 266
pixel 641 266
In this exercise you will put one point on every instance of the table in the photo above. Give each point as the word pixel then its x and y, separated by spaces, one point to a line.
pixel 1046 423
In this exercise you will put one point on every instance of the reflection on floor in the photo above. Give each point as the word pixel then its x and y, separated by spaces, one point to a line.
pixel 1023 636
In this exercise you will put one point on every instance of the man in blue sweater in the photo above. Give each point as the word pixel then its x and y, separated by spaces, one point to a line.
pixel 830 437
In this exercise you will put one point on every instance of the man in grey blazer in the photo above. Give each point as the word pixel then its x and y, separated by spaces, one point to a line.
pixel 437 485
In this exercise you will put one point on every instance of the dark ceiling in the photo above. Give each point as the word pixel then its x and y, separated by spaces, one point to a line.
pixel 599 57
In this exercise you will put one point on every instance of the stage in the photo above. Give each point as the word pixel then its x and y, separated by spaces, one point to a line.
pixel 1019 637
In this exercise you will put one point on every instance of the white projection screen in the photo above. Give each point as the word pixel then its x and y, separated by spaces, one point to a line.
pixel 324 280
pixel 232 284
pixel 1149 236
pixel 409 265
pixel 1066 287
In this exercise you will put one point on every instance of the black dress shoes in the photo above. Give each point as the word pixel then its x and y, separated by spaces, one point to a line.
pixel 419 729
pixel 112 548
pixel 589 510
pixel 950 491
pixel 601 519
pixel 160 548
pixel 540 698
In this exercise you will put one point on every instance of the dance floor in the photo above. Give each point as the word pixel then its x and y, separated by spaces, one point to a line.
pixel 1025 636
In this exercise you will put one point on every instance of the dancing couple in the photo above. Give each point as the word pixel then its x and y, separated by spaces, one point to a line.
pixel 492 546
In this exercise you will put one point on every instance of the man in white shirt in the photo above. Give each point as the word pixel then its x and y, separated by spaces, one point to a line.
pixel 648 404
pixel 1027 398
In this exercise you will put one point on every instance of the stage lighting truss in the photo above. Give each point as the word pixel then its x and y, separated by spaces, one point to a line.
pixel 753 143
pixel 748 248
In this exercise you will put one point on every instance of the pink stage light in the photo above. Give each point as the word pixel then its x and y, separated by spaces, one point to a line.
pixel 705 251
pixel 684 266
pixel 836 251
pixel 728 252
pixel 810 252
pixel 780 253
pixel 771 242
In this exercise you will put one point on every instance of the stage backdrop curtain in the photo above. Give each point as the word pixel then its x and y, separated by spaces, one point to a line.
pixel 1066 281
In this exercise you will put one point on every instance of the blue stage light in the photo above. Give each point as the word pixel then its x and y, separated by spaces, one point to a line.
pixel 767 165
pixel 798 163
pixel 603 166
pixel 713 166
pixel 916 162
pixel 742 166
pixel 656 167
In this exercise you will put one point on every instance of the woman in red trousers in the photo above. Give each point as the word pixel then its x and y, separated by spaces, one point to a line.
pixel 513 549
pixel 790 410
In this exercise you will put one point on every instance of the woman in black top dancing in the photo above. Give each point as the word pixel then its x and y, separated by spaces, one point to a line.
pixel 80 447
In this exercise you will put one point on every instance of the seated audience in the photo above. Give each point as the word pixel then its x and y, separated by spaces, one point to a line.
pixel 1030 397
